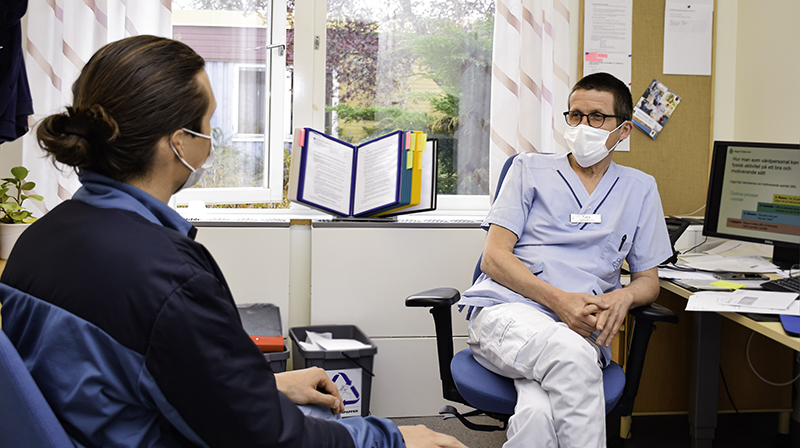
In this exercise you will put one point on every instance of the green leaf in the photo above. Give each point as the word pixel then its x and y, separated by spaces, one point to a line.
pixel 29 220
pixel 10 206
pixel 35 197
pixel 20 172
pixel 28 186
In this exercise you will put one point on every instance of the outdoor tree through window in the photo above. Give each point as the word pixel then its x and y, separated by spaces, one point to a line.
pixel 418 65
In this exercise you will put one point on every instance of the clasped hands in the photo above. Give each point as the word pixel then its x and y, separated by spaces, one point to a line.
pixel 585 313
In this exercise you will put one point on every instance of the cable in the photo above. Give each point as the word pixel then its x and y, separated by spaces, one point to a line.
pixel 747 352
pixel 753 426
pixel 725 383
pixel 696 245
pixel 692 213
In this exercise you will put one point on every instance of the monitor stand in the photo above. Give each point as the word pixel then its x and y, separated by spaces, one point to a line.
pixel 785 257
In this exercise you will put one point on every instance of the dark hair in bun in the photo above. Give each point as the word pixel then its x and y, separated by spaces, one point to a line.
pixel 130 94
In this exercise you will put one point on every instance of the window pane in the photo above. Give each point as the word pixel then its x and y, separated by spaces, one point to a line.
pixel 251 111
pixel 232 37
pixel 420 66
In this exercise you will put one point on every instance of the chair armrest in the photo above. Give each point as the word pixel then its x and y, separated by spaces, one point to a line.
pixel 434 298
pixel 655 313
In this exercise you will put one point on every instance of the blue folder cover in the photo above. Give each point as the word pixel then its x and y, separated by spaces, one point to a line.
pixel 398 200
pixel 791 324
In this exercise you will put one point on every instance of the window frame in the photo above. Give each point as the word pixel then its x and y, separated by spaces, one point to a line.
pixel 237 135
pixel 275 68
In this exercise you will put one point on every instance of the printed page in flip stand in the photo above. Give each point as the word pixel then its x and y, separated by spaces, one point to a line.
pixel 429 159
pixel 377 176
pixel 651 112
pixel 326 173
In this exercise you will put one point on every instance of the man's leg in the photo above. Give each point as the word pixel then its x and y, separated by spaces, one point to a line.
pixel 532 419
pixel 519 341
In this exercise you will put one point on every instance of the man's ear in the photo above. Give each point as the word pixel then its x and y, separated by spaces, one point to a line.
pixel 626 130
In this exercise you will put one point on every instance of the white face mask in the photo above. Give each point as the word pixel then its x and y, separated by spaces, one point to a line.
pixel 588 144
pixel 196 173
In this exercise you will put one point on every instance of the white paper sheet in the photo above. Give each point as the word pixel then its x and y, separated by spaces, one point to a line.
pixel 717 263
pixel 607 42
pixel 325 341
pixel 740 248
pixel 687 37
pixel 745 301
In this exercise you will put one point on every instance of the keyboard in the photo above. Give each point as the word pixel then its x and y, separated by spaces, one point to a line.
pixel 789 284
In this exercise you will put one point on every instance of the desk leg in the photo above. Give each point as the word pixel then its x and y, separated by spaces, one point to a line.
pixel 704 378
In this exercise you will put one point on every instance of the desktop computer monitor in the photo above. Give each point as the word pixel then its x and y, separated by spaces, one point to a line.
pixel 754 195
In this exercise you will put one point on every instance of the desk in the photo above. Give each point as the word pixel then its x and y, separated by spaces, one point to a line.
pixel 705 364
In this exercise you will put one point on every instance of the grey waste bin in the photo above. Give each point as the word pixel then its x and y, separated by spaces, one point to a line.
pixel 350 370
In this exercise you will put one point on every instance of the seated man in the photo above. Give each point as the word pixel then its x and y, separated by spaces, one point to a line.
pixel 549 301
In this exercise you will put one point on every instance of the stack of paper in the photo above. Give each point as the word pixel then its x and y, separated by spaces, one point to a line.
pixel 745 301
pixel 718 263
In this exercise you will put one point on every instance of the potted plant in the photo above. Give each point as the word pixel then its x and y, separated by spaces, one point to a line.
pixel 14 219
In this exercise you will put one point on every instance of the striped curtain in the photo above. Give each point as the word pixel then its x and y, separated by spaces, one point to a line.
pixel 530 79
pixel 61 37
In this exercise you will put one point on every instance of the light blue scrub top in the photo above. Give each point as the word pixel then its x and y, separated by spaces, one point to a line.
pixel 539 194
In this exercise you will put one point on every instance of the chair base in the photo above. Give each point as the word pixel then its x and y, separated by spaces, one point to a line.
pixel 448 412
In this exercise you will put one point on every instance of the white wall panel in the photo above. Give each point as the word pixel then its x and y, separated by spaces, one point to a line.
pixel 362 275
pixel 255 262
pixel 406 382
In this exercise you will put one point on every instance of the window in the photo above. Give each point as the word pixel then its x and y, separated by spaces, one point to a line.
pixel 362 68
pixel 422 66
pixel 244 48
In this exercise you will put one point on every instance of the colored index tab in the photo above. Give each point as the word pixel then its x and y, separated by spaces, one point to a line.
pixel 411 147
pixel 726 284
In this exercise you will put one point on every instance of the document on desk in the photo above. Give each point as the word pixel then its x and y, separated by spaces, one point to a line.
pixel 718 263
pixel 745 301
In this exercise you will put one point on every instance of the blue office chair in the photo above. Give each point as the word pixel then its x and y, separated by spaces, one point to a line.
pixel 467 382
pixel 26 419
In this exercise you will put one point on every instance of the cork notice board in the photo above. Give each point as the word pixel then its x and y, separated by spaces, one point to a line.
pixel 679 157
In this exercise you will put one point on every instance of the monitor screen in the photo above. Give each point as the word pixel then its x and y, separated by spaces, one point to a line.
pixel 754 195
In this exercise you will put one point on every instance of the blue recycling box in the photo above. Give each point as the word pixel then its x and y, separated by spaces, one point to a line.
pixel 350 370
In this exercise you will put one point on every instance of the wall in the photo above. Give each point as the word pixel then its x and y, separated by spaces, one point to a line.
pixel 767 72
pixel 756 76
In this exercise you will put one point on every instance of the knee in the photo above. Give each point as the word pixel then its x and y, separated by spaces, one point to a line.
pixel 568 351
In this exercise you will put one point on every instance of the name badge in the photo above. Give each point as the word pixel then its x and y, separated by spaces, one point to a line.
pixel 577 218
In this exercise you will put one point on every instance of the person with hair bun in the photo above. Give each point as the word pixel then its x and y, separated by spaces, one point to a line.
pixel 125 322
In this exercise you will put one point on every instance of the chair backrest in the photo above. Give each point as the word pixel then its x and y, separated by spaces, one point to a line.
pixel 477 272
pixel 26 419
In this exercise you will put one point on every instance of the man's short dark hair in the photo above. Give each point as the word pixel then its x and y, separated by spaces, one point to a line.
pixel 603 82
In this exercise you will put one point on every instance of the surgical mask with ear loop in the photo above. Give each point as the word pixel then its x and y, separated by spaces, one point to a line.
pixel 196 173
pixel 588 144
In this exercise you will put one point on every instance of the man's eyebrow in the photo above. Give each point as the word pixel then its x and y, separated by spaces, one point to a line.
pixel 595 110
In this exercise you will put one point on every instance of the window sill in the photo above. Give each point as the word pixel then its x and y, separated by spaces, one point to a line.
pixel 205 217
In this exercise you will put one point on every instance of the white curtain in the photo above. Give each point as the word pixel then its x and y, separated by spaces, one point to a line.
pixel 530 79
pixel 61 37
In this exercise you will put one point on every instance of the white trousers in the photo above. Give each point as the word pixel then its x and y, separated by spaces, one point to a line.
pixel 556 372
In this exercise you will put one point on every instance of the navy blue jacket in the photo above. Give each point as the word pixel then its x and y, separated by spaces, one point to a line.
pixel 15 93
pixel 132 334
